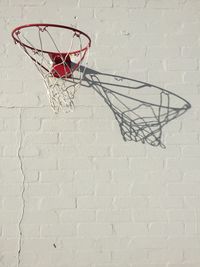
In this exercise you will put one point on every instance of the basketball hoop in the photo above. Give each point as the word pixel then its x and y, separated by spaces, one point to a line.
pixel 58 52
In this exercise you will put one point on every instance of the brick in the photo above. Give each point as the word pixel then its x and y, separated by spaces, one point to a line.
pixel 94 229
pixel 191 176
pixel 147 64
pixel 148 189
pixel 9 176
pixel 113 189
pixel 49 203
pixel 10 164
pixel 111 243
pixel 191 151
pixel 19 100
pixel 130 202
pixel 8 245
pixel 192 254
pixel 59 125
pixel 182 215
pixel 181 39
pixel 56 176
pixel 11 87
pixel 146 164
pixel 124 150
pixel 67 189
pixel 43 189
pixel 93 126
pixel 149 243
pixel 150 39
pixel 173 255
pixel 191 228
pixel 111 163
pixel 29 151
pixel 40 217
pixel 183 89
pixel 191 76
pixel 78 215
pixel 96 3
pixel 108 138
pixel 9 112
pixel 182 64
pixel 84 186
pixel 130 229
pixel 190 52
pixel 58 229
pixel 40 164
pixel 92 202
pixel 165 76
pixel 184 189
pixel 138 256
pixel 130 3
pixel 57 150
pixel 71 164
pixel 27 3
pixel 164 229
pixel 11 203
pixel 77 138
pixel 165 27
pixel 112 14
pixel 11 12
pixel 171 151
pixel 39 245
pixel 184 242
pixel 156 215
pixel 37 113
pixel 90 257
pixel 183 139
pixel 186 164
pixel 8 138
pixel 31 175
pixel 114 216
pixel 163 4
pixel 11 124
pixel 30 124
pixel 77 243
pixel 41 138
pixel 161 52
pixel 72 12
pixel 166 202
pixel 31 230
pixel 9 217
pixel 191 201
pixel 10 150
pixel 191 126
pixel 10 230
pixel 145 15
pixel 94 150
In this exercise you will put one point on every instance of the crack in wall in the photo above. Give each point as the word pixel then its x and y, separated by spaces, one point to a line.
pixel 22 191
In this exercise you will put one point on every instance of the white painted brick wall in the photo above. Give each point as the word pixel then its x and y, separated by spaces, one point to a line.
pixel 92 200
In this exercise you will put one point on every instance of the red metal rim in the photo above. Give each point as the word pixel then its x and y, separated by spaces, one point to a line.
pixel 15 34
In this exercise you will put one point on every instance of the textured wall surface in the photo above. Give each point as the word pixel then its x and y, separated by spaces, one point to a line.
pixel 91 199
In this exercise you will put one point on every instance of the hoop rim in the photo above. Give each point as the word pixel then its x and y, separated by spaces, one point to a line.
pixel 14 35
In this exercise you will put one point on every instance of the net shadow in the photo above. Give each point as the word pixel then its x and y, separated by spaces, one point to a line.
pixel 141 109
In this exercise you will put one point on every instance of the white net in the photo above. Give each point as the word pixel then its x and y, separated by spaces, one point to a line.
pixel 60 69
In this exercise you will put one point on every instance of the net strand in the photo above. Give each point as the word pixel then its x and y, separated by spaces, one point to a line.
pixel 61 89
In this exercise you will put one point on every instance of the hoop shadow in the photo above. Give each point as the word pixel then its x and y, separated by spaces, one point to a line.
pixel 140 119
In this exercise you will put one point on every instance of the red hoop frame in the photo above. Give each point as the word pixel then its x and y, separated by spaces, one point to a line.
pixel 14 35
pixel 61 69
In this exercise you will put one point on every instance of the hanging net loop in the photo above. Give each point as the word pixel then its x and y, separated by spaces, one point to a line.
pixel 58 52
